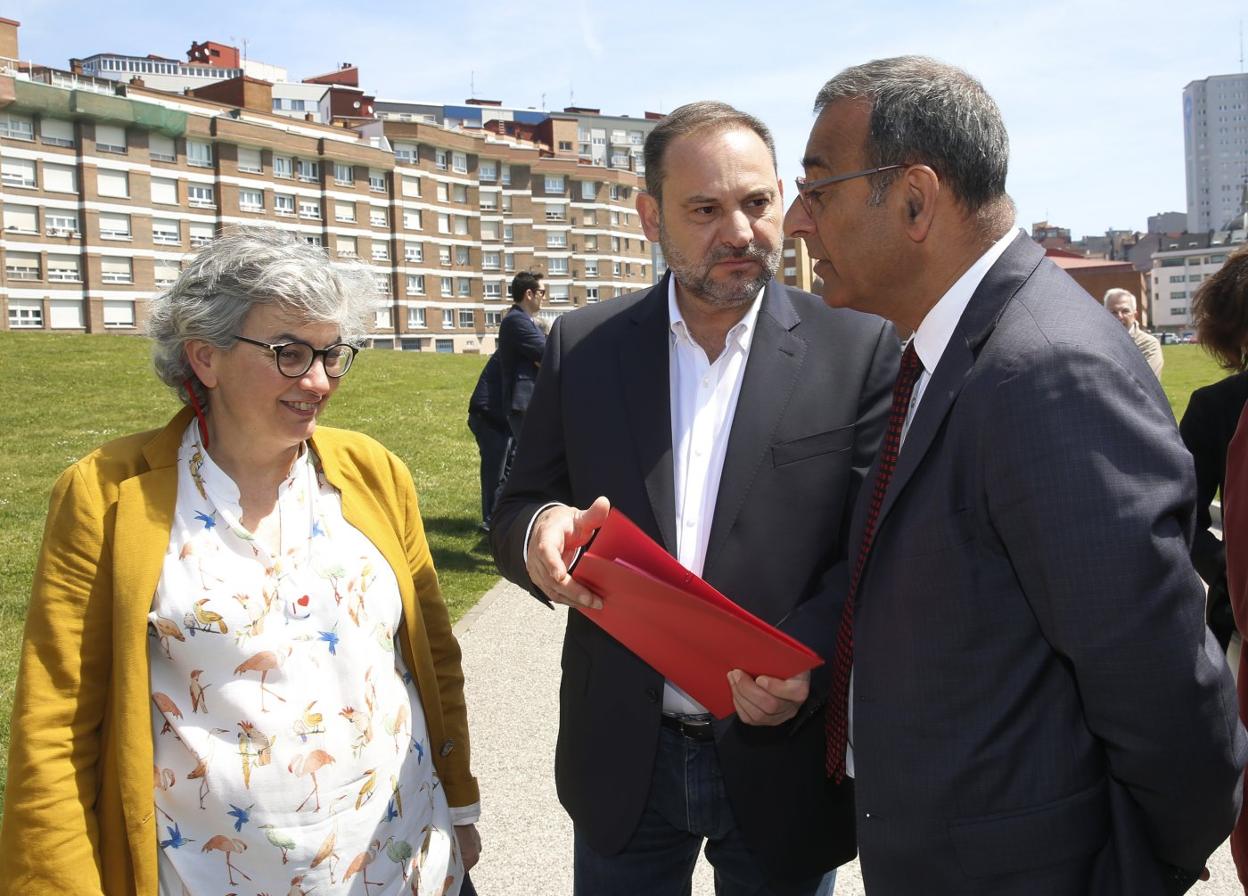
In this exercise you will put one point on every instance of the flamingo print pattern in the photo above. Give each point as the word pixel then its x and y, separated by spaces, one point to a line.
pixel 270 783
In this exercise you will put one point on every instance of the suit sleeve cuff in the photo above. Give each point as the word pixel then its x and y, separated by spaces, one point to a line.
pixel 528 532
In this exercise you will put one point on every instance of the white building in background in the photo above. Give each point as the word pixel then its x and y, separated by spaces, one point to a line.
pixel 1178 270
pixel 1215 140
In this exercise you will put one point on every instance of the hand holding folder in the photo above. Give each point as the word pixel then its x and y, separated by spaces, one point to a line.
pixel 677 622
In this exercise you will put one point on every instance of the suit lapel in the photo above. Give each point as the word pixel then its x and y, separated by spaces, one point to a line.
pixel 1000 284
pixel 771 373
pixel 645 384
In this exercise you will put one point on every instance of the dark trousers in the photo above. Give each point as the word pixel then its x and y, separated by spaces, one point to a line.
pixel 492 446
pixel 687 804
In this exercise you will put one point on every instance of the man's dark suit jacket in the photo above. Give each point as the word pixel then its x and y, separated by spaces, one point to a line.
pixel 1038 706
pixel 1207 427
pixel 810 415
pixel 520 347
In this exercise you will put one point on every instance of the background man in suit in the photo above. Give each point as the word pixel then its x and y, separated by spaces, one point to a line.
pixel 709 412
pixel 1038 707
pixel 1122 305
pixel 520 346
pixel 488 422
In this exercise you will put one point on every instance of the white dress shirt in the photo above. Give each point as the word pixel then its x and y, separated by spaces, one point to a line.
pixel 703 403
pixel 930 341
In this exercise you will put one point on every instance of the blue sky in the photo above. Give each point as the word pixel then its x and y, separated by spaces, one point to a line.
pixel 1091 92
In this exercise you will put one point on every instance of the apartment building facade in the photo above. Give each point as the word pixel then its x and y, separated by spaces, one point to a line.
pixel 1184 262
pixel 106 188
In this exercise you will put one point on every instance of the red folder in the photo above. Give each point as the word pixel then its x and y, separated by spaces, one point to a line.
pixel 678 623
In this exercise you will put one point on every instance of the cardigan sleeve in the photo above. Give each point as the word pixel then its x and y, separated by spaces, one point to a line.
pixel 50 837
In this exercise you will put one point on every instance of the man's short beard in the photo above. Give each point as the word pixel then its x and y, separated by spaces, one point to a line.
pixel 696 278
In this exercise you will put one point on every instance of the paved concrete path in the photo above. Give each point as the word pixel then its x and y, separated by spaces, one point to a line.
pixel 511 662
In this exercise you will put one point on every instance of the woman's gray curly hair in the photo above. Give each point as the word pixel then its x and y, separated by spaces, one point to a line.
pixel 246 267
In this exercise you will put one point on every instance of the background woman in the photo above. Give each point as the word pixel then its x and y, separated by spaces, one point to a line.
pixel 238 673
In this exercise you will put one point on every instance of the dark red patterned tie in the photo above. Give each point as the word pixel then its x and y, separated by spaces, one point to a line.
pixel 837 719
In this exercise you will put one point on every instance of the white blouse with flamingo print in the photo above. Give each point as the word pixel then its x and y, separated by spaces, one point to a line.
pixel 290 745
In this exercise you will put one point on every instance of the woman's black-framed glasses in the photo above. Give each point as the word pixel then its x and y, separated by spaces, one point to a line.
pixel 294 359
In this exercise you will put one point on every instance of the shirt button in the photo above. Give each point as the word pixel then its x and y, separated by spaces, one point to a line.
pixel 706 382
pixel 447 747
pixel 688 524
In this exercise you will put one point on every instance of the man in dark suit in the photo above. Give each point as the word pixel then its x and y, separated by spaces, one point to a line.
pixel 488 422
pixel 1037 706
pixel 707 410
pixel 520 346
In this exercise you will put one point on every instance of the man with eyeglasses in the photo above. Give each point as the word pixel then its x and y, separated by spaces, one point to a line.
pixel 1036 706
pixel 711 412
pixel 520 346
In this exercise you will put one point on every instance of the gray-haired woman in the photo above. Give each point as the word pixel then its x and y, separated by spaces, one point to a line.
pixel 238 670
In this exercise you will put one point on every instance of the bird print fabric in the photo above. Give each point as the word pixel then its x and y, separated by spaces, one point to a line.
pixel 289 740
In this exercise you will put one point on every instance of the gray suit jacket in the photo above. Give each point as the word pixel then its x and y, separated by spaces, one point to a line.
pixel 808 420
pixel 1038 706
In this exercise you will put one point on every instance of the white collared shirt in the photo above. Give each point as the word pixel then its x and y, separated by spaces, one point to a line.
pixel 930 341
pixel 703 403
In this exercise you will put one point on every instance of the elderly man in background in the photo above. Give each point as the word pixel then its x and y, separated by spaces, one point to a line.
pixel 1122 305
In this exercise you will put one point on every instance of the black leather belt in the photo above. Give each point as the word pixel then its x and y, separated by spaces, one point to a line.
pixel 700 731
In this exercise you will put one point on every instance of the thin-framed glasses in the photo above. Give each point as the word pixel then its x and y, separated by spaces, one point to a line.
pixel 294 359
pixel 808 190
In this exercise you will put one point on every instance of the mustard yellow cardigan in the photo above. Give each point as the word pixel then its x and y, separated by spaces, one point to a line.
pixel 79 812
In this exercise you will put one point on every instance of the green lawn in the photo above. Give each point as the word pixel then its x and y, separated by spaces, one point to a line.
pixel 62 395
pixel 1187 368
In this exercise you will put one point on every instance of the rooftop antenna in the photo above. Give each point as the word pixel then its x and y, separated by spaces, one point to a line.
pixel 472 84
pixel 543 102
pixel 1241 46
pixel 572 88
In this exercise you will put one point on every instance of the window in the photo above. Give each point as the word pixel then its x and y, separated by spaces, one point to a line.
pixel 444 346
pixel 380 251
pixel 444 255
pixel 565 145
pixel 459 162
pixel 116 270
pixel 283 166
pixel 448 319
pixel 251 200
pixel 416 316
pixel 446 287
pixel 17 127
pixel 118 313
pixel 493 319
pixel 444 223
pixel 309 208
pixel 416 285
pixel 64 269
pixel 459 193
pixel 615 269
pixel 166 272
pixel 313 239
pixel 199 154
pixel 249 160
pixel 56 178
pixel 493 290
pixel 554 183
pixel 411 186
pixel 21 219
pixel 284 204
pixel 60 222
pixel 509 233
pixel 506 203
pixel 406 153
pixel 589 219
pixel 342 174
pixel 487 170
pixel 489 202
pixel 615 218
pixel 166 231
pixel 114 227
pixel 557 294
pixel 615 244
pixel 344 211
pixel 164 191
pixel 509 261
pixel 201 196
pixel 21 172
pixel 55 132
pixel 591 267
pixel 308 171
pixel 467 319
pixel 382 282
pixel 556 239
pixel 413 252
pixel 463 286
pixel 25 314
pixel 377 217
pixel 345 246
pixel 615 191
pixel 556 211
pixel 589 189
pixel 489 231
pixel 591 242
pixel 591 294
pixel 444 193
pixel 113 183
pixel 558 266
pixel 491 261
pixel 21 265
pixel 439 159
pixel 412 219
pixel 459 224
pixel 202 233
pixel 461 255
pixel 504 176
pixel 376 180
pixel 66 314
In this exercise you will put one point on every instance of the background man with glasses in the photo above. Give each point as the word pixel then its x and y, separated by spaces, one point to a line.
pixel 520 346
pixel 1037 706
pixel 732 419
